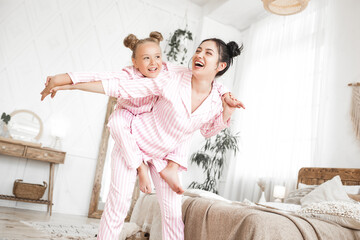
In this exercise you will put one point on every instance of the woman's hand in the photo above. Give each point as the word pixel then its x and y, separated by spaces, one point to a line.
pixel 229 105
pixel 55 81
pixel 232 102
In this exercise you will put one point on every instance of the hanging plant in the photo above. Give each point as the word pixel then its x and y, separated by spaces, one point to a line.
pixel 212 159
pixel 6 118
pixel 177 45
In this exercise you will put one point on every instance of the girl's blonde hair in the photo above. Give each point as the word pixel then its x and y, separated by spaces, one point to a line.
pixel 132 42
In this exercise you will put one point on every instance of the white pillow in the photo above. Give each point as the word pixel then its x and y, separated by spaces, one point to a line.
pixel 296 195
pixel 331 190
pixel 204 194
pixel 302 185
pixel 351 189
pixel 288 207
pixel 344 213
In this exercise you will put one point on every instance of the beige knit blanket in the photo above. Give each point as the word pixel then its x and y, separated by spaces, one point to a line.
pixel 207 219
pixel 213 220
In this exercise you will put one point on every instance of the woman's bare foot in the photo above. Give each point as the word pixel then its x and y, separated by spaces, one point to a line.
pixel 144 179
pixel 171 177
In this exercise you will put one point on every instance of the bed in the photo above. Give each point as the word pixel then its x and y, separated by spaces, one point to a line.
pixel 209 219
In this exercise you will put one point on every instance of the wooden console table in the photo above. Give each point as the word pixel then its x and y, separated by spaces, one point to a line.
pixel 33 151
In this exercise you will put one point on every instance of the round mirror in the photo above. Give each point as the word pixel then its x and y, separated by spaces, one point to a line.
pixel 25 125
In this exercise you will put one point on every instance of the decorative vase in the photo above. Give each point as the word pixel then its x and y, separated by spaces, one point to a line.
pixel 262 198
pixel 4 131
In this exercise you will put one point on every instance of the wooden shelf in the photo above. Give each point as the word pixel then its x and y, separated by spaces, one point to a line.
pixel 13 198
pixel 34 151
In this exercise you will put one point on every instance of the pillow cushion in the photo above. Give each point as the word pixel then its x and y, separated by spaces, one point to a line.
pixel 331 190
pixel 351 189
pixel 344 213
pixel 297 194
pixel 302 185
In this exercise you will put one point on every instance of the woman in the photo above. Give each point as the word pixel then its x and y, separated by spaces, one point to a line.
pixel 188 101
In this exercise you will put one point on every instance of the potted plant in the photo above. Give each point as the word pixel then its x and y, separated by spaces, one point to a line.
pixel 212 158
pixel 4 131
pixel 177 43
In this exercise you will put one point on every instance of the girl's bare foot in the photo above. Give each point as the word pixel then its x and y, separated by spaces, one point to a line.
pixel 144 179
pixel 171 177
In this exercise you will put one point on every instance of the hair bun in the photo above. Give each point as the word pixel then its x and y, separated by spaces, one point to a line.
pixel 158 36
pixel 234 49
pixel 130 41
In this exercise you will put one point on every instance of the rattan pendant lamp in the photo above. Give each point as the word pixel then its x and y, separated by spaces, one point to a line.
pixel 285 7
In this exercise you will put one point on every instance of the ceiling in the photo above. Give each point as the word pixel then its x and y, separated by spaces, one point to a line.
pixel 237 13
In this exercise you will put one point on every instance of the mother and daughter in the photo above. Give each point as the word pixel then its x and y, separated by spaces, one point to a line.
pixel 159 107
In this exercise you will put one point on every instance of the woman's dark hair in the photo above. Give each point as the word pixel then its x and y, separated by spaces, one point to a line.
pixel 226 52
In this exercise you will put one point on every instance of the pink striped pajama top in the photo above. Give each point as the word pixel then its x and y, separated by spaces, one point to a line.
pixel 168 128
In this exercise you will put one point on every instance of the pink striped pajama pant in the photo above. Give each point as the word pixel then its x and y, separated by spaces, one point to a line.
pixel 118 201
pixel 120 130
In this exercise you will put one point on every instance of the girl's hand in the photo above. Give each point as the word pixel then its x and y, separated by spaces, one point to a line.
pixel 232 102
pixel 54 90
pixel 54 81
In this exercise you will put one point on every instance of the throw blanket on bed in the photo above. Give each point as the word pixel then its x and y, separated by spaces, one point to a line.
pixel 210 219
pixel 207 219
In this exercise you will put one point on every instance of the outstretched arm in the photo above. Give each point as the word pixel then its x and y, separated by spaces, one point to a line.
pixel 95 87
pixel 64 82
pixel 228 97
pixel 114 84
pixel 219 122
pixel 54 81
pixel 232 102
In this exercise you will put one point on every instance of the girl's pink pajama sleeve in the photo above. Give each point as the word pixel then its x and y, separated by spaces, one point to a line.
pixel 122 85
pixel 180 154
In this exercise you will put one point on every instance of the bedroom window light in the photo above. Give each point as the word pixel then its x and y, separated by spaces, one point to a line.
pixel 282 77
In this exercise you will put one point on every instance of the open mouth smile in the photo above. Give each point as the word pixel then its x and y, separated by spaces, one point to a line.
pixel 153 69
pixel 199 64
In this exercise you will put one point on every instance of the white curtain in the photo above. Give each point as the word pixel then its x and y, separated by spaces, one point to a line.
pixel 280 83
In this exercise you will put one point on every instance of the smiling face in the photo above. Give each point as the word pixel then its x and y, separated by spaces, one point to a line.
pixel 205 61
pixel 148 59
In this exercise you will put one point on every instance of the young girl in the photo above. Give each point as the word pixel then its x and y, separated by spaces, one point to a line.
pixel 147 62
pixel 188 101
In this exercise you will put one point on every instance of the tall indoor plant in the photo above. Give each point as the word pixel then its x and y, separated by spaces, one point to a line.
pixel 212 158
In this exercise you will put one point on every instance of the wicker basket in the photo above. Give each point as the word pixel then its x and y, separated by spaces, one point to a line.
pixel 28 190
pixel 139 236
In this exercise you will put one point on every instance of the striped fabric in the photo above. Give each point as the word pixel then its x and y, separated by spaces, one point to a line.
pixel 167 129
pixel 119 128
pixel 118 202
pixel 163 133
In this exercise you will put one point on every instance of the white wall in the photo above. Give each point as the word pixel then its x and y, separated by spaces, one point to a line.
pixel 44 37
pixel 337 144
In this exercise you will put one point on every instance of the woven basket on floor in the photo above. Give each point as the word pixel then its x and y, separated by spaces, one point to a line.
pixel 28 190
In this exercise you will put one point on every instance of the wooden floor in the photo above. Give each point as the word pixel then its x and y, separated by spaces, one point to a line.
pixel 12 228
